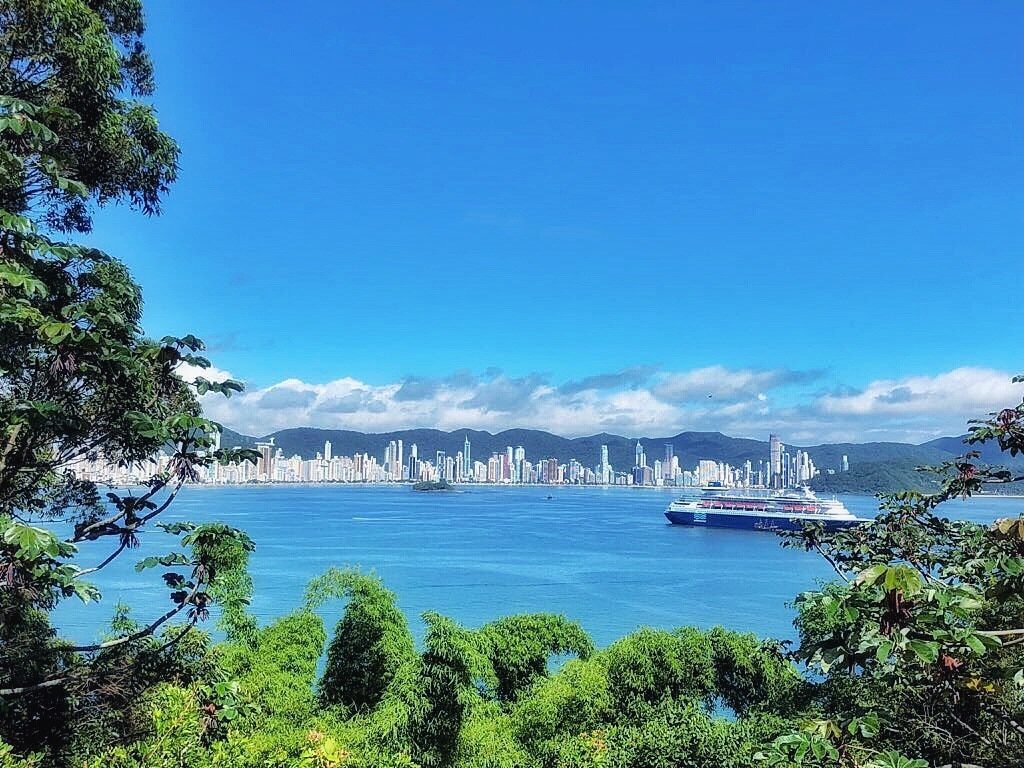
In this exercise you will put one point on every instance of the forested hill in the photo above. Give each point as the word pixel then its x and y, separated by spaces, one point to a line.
pixel 690 447
pixel 877 477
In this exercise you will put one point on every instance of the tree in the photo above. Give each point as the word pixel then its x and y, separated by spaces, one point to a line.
pixel 81 66
pixel 921 642
pixel 371 642
pixel 519 648
pixel 78 379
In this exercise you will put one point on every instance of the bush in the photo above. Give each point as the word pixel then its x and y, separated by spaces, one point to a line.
pixel 279 679
pixel 174 739
pixel 371 641
pixel 519 647
pixel 575 700
pixel 652 666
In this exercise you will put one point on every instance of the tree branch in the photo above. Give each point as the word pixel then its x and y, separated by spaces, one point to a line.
pixel 149 630
pixel 105 563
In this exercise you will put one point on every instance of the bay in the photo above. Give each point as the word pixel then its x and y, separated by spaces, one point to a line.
pixel 605 557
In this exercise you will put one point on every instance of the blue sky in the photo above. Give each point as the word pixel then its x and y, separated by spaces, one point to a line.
pixel 826 194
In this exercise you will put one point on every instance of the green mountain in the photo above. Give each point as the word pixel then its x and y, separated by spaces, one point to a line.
pixel 990 453
pixel 877 477
pixel 874 467
pixel 688 446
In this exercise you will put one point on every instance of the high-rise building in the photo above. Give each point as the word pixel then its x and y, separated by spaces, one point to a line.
pixel 775 461
pixel 666 465
pixel 606 469
pixel 327 450
pixel 265 466
pixel 640 459
pixel 467 462
pixel 439 465
pixel 845 464
pixel 390 454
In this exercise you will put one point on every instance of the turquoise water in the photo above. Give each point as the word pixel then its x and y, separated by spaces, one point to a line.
pixel 603 556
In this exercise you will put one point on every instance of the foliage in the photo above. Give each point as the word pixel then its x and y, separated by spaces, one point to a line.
pixel 371 641
pixel 79 380
pixel 924 633
pixel 452 668
pixel 81 66
pixel 575 701
pixel 283 665
pixel 876 477
pixel 650 667
pixel 519 647
pixel 175 737
pixel 680 733
pixel 914 657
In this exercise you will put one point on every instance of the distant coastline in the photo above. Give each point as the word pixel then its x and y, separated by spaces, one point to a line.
pixel 465 487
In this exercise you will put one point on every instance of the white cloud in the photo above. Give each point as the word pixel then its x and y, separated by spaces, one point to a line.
pixel 743 403
pixel 961 391
pixel 189 373
pixel 719 382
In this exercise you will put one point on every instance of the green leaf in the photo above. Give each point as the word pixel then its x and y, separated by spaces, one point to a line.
pixel 871 575
pixel 31 542
pixel 86 592
pixel 926 650
pixel 883 651
pixel 975 644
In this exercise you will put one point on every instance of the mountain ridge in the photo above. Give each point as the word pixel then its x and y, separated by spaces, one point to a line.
pixel 689 446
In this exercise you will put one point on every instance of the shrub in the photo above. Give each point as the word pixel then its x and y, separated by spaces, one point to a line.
pixel 519 647
pixel 371 641
pixel 651 666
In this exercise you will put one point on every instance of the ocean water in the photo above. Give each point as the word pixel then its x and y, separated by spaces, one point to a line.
pixel 605 557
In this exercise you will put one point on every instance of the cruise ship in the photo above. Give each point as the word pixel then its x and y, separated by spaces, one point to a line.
pixel 760 510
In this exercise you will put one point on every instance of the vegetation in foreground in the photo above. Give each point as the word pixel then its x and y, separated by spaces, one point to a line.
pixel 912 657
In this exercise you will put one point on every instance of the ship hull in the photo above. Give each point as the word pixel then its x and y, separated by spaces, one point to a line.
pixel 700 519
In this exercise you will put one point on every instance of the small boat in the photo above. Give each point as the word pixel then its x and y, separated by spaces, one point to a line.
pixel 760 510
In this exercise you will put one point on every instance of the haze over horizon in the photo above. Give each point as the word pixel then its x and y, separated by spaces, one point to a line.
pixel 584 218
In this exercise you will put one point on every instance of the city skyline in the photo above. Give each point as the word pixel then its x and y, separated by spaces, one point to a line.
pixel 781 469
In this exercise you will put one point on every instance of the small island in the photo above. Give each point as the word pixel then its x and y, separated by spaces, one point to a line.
pixel 432 485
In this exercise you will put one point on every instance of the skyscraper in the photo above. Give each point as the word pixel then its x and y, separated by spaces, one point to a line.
pixel 639 455
pixel 467 462
pixel 775 461
pixel 666 465
pixel 266 462
pixel 327 450
pixel 605 467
